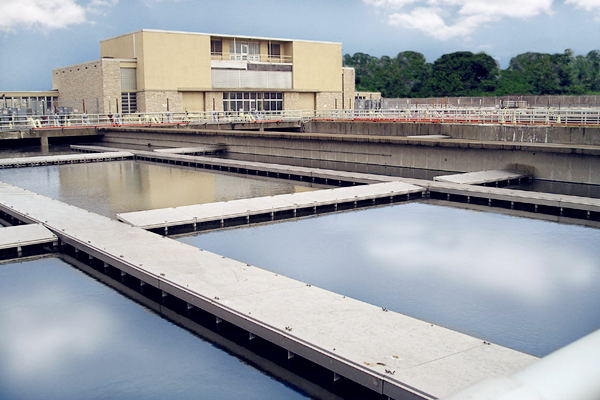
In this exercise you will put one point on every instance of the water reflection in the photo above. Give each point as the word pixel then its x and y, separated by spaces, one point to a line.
pixel 33 150
pixel 526 284
pixel 65 336
pixel 124 186
pixel 571 189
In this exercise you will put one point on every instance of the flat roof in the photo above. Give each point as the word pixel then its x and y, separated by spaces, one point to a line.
pixel 24 93
pixel 218 35
pixel 128 60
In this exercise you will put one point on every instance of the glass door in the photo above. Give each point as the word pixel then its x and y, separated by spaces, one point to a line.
pixel 244 51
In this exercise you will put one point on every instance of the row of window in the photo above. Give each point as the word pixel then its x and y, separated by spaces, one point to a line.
pixel 252 101
pixel 242 48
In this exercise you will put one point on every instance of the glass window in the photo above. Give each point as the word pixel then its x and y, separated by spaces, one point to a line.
pixel 252 101
pixel 275 50
pixel 216 46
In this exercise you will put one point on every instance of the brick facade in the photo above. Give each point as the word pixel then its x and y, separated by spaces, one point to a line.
pixel 291 101
pixel 159 100
pixel 98 83
pixel 213 101
pixel 329 101
pixel 348 87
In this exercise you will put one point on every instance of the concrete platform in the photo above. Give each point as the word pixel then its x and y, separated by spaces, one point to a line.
pixel 193 150
pixel 64 159
pixel 429 137
pixel 200 213
pixel 25 235
pixel 482 177
pixel 388 352
pixel 25 241
pixel 557 201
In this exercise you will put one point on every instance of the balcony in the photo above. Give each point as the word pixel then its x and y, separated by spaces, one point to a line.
pixel 252 58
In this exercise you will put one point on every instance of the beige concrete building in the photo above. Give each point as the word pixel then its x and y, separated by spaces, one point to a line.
pixel 159 71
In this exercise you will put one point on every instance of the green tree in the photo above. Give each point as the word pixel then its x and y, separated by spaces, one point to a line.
pixel 412 71
pixel 463 74
pixel 546 73
pixel 593 63
pixel 511 82
pixel 587 71
pixel 402 76
pixel 365 67
pixel 467 74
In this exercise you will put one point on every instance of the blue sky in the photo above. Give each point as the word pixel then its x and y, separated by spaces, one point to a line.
pixel 39 35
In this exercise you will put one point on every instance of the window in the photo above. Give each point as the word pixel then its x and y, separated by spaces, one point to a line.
pixel 128 79
pixel 244 51
pixel 216 47
pixel 252 101
pixel 128 102
pixel 275 51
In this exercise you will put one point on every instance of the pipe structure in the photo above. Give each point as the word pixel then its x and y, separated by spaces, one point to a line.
pixel 572 372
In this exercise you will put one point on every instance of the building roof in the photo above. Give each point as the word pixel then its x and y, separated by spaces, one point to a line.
pixel 219 35
pixel 28 93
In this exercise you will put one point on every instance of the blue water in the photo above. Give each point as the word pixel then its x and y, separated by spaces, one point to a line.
pixel 526 284
pixel 64 335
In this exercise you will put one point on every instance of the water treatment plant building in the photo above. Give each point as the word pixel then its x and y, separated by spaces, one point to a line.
pixel 159 71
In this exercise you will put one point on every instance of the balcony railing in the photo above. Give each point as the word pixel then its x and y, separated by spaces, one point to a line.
pixel 262 58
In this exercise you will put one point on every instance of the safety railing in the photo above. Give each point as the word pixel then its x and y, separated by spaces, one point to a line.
pixel 564 117
pixel 263 58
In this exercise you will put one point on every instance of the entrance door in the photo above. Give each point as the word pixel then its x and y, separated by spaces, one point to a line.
pixel 244 51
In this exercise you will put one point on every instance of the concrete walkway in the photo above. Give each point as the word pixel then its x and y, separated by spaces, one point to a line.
pixel 385 351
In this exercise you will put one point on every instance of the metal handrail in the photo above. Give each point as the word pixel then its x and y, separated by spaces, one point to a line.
pixel 543 117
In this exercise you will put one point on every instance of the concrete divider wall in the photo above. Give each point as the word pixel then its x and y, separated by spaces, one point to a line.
pixel 512 133
pixel 550 162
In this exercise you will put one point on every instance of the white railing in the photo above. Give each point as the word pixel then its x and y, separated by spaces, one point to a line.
pixel 564 117
pixel 262 58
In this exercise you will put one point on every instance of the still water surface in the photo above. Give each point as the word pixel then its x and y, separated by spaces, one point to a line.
pixel 64 335
pixel 526 284
pixel 124 186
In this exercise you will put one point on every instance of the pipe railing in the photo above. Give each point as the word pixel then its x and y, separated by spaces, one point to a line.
pixel 541 116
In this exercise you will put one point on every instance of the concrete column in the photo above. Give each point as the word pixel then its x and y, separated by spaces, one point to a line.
pixel 44 143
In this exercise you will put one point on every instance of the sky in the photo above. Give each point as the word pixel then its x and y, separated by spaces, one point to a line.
pixel 39 35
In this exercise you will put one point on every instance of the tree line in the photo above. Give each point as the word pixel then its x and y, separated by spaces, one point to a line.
pixel 467 74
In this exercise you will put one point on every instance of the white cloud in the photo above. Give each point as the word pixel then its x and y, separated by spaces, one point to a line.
pixel 42 337
pixel 49 14
pixel 483 259
pixel 588 5
pixel 447 19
